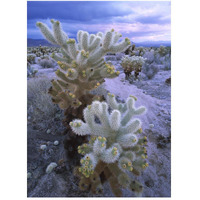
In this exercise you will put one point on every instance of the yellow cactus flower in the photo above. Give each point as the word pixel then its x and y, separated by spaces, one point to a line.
pixel 89 107
pixel 99 137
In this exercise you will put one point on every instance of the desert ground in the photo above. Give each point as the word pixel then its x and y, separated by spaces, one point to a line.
pixel 45 127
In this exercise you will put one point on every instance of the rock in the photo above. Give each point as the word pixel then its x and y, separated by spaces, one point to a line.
pixel 151 125
pixel 56 143
pixel 29 175
pixel 149 183
pixel 168 81
pixel 48 131
pixel 50 167
pixel 43 147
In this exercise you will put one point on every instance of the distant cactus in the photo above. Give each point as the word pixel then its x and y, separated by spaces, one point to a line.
pixel 163 50
pixel 133 63
pixel 130 50
pixel 115 147
pixel 42 50
pixel 31 58
pixel 141 51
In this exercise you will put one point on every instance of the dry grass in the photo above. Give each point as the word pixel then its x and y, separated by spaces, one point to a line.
pixel 41 111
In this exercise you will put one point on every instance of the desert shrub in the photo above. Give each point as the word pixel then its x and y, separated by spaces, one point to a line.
pixel 167 62
pixel 40 109
pixel 31 72
pixel 150 56
pixel 46 63
pixel 150 70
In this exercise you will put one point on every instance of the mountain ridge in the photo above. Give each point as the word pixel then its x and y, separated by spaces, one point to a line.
pixel 43 42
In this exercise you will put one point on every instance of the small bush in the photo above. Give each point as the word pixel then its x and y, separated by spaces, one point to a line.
pixel 31 72
pixel 150 56
pixel 150 70
pixel 46 63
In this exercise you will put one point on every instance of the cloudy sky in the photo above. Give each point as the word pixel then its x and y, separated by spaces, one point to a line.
pixel 138 20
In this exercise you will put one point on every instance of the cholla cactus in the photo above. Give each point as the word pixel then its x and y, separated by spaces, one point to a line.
pixel 31 58
pixel 82 66
pixel 133 63
pixel 162 50
pixel 130 50
pixel 115 147
pixel 141 50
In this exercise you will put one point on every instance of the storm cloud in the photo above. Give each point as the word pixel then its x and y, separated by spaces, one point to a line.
pixel 140 21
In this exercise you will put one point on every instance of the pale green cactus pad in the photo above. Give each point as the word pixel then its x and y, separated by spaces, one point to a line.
pixel 82 65
pixel 115 142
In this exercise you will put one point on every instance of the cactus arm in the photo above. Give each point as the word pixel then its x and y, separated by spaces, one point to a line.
pixel 46 32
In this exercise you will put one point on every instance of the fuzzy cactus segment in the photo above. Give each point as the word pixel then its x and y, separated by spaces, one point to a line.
pixel 114 138
pixel 81 62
